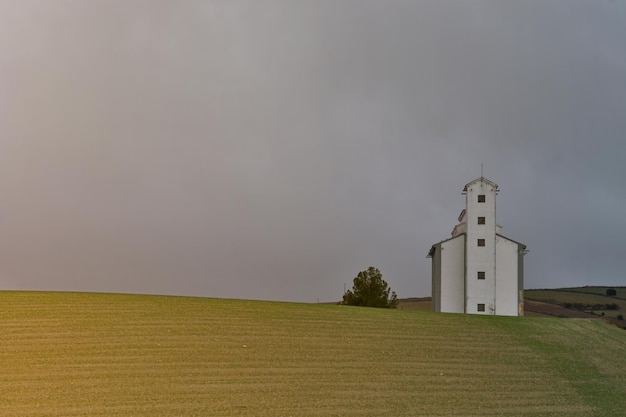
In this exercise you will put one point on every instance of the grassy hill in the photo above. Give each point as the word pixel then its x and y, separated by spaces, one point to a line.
pixel 77 354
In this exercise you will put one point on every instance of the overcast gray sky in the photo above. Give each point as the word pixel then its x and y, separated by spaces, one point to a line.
pixel 274 149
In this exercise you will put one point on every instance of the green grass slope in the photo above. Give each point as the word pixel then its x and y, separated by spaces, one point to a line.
pixel 71 354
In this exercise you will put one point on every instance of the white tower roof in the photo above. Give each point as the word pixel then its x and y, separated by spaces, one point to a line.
pixel 481 179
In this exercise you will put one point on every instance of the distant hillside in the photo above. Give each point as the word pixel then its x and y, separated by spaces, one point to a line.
pixel 81 354
pixel 589 301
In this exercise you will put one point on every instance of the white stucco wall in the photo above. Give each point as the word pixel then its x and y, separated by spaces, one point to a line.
pixel 506 277
pixel 480 258
pixel 452 275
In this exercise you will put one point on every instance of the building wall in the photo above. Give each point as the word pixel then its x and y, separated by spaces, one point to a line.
pixel 507 283
pixel 469 277
pixel 521 251
pixel 435 255
pixel 452 295
pixel 481 258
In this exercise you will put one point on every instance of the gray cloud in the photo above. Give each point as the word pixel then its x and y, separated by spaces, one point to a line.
pixel 272 150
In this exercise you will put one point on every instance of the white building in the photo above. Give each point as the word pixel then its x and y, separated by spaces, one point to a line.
pixel 477 270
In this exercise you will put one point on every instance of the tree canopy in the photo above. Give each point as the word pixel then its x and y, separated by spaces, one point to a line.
pixel 369 289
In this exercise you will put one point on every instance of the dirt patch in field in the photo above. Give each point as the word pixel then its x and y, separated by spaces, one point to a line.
pixel 619 323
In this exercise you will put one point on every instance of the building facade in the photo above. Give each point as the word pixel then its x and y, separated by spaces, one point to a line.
pixel 478 270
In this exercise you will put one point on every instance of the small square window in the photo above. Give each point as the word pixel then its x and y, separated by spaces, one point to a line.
pixel 481 220
pixel 481 242
pixel 480 307
pixel 481 198
pixel 481 274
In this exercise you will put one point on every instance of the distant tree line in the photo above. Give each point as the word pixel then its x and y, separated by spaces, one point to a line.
pixel 585 306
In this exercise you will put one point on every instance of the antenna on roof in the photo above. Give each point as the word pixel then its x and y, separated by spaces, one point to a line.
pixel 481 169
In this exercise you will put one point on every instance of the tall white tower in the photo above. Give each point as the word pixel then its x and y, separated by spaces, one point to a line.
pixel 478 270
pixel 480 247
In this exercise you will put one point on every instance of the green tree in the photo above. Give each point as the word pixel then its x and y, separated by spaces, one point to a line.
pixel 369 289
